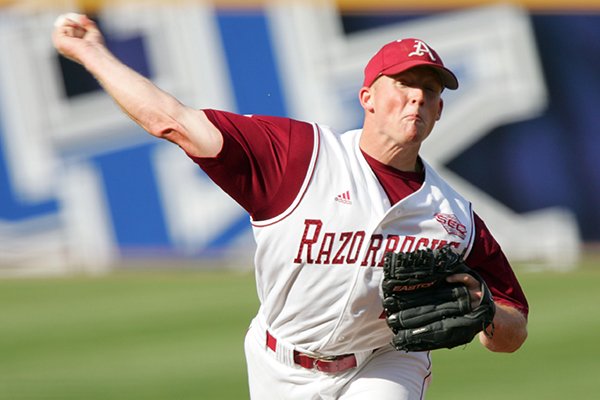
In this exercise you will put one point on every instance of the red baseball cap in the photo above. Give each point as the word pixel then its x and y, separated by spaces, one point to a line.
pixel 401 55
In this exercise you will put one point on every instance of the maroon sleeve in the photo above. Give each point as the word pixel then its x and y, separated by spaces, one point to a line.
pixel 263 161
pixel 490 262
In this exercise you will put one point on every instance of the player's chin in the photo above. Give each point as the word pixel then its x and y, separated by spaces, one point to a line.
pixel 414 135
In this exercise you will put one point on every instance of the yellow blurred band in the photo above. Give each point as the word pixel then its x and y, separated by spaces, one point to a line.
pixel 345 5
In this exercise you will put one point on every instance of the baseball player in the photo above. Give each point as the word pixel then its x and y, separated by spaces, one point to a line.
pixel 325 208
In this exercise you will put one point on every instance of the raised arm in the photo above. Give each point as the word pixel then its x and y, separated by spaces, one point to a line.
pixel 77 37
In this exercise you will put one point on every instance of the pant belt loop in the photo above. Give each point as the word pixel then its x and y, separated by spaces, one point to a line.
pixel 362 356
pixel 284 352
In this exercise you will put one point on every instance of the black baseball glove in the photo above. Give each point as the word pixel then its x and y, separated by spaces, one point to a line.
pixel 426 312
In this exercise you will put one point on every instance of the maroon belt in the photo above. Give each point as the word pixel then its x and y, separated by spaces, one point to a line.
pixel 328 364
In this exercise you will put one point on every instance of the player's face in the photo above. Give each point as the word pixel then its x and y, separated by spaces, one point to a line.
pixel 406 106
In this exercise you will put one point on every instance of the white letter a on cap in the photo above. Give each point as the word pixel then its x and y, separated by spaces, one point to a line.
pixel 420 49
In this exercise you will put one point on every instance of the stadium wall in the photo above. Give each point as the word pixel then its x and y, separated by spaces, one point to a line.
pixel 82 188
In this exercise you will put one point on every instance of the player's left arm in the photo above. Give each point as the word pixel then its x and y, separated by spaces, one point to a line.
pixel 510 324
pixel 510 319
pixel 510 330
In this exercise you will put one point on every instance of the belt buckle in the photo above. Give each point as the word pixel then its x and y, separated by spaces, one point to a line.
pixel 330 364
pixel 327 358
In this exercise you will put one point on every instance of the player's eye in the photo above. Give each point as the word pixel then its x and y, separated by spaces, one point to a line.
pixel 432 88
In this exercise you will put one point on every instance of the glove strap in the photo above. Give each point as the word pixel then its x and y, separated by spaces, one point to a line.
pixel 488 331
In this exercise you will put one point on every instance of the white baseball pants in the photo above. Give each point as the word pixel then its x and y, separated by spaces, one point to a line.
pixel 385 374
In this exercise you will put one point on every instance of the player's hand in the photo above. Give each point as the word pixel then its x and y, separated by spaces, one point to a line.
pixel 73 34
pixel 472 284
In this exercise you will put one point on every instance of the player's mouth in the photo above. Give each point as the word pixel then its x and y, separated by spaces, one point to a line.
pixel 414 118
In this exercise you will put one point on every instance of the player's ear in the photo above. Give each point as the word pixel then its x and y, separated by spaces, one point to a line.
pixel 365 95
pixel 441 107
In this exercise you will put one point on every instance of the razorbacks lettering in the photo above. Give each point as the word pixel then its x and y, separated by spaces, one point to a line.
pixel 322 247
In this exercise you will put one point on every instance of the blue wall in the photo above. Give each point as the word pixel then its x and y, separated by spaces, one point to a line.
pixel 552 160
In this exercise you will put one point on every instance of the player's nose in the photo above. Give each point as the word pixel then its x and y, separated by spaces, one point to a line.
pixel 417 95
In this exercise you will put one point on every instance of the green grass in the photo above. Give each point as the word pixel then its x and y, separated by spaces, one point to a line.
pixel 559 360
pixel 179 335
pixel 149 335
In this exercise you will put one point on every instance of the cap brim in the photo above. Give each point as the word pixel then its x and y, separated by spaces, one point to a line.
pixel 449 80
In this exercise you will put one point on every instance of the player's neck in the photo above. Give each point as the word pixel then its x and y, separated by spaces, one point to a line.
pixel 403 158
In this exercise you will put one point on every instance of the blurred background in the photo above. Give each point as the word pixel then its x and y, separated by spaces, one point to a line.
pixel 88 198
pixel 83 189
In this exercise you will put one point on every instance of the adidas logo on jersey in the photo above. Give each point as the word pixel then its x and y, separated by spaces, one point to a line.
pixel 344 198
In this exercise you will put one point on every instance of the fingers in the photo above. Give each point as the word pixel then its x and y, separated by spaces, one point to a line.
pixel 75 25
pixel 71 25
pixel 472 284
pixel 74 33
pixel 68 19
pixel 464 278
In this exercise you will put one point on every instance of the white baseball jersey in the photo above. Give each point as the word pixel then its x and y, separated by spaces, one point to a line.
pixel 318 264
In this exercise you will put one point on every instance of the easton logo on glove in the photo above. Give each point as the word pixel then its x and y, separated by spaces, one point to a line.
pixel 408 288
pixel 426 312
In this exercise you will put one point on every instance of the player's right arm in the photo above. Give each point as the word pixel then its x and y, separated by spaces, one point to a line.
pixel 159 113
